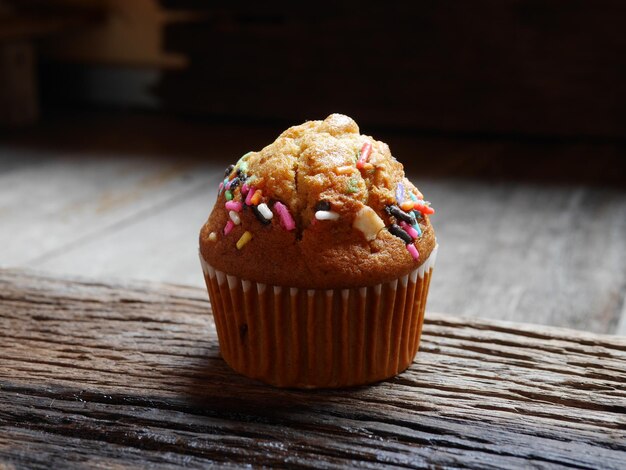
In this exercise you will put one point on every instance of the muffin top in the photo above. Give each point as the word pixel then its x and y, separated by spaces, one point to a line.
pixel 321 207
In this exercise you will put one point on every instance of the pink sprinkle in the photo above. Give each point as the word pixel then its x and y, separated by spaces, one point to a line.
pixel 251 190
pixel 229 227
pixel 221 185
pixel 414 253
pixel 285 217
pixel 410 230
pixel 233 206
pixel 365 154
pixel 244 188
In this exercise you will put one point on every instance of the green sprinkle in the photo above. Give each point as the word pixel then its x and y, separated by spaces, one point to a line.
pixel 228 195
pixel 353 186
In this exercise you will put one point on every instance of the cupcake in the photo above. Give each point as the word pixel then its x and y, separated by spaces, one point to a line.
pixel 317 257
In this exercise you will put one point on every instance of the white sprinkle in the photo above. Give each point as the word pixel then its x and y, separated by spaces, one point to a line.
pixel 265 211
pixel 326 215
pixel 234 217
pixel 212 236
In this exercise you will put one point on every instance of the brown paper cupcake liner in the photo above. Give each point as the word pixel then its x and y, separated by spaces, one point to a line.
pixel 319 338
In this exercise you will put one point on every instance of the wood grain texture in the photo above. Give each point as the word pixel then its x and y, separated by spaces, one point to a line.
pixel 130 376
pixel 63 200
pixel 546 254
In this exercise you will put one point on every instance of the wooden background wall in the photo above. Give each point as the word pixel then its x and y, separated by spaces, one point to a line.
pixel 531 67
pixel 547 67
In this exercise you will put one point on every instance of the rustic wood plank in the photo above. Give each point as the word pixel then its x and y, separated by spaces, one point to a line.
pixel 104 374
pixel 552 255
pixel 160 246
pixel 67 199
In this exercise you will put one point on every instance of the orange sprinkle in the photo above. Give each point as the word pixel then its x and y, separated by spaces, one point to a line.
pixel 407 206
pixel 367 166
pixel 256 198
pixel 424 209
pixel 342 170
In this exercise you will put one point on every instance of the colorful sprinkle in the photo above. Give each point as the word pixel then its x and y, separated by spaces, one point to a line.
pixel 409 229
pixel 265 211
pixel 418 197
pixel 232 184
pixel 424 207
pixel 256 197
pixel 234 217
pixel 414 253
pixel 259 215
pixel 407 206
pixel 251 190
pixel 228 195
pixel 417 228
pixel 245 238
pixel 229 227
pixel 326 215
pixel 212 236
pixel 221 186
pixel 401 215
pixel 353 186
pixel 368 222
pixel 244 189
pixel 343 170
pixel 286 219
pixel 229 170
pixel 365 154
pixel 322 206
pixel 400 193
pixel 398 232
pixel 233 206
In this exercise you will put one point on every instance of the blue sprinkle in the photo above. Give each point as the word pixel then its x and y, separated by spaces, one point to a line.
pixel 223 187
pixel 417 228
pixel 413 197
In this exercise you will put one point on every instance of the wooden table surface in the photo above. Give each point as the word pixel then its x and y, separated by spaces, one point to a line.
pixel 530 230
pixel 129 376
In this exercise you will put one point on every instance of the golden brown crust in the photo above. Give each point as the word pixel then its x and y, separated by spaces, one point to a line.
pixel 315 162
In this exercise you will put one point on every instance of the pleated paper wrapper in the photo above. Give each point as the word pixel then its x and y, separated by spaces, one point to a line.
pixel 319 338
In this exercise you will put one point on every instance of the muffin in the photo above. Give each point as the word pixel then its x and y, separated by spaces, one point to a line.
pixel 317 257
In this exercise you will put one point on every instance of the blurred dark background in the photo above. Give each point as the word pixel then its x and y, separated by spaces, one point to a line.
pixel 542 70
pixel 511 114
